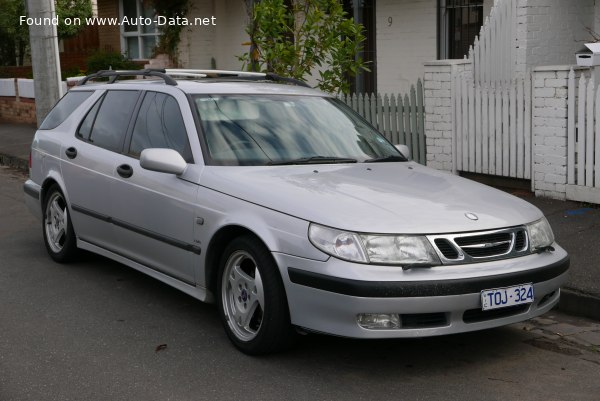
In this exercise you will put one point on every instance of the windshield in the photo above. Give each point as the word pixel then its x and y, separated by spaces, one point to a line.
pixel 273 129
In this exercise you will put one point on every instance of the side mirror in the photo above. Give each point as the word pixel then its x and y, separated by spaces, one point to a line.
pixel 162 160
pixel 404 150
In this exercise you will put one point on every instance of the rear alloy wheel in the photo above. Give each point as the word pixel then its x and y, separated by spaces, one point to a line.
pixel 252 300
pixel 59 235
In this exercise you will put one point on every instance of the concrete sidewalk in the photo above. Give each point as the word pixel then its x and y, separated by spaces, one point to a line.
pixel 576 227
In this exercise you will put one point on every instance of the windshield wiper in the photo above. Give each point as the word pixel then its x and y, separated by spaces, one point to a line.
pixel 387 159
pixel 313 160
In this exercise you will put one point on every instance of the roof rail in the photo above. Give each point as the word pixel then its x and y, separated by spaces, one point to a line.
pixel 246 75
pixel 114 75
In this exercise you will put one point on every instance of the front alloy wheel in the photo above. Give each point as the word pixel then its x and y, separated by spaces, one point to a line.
pixel 243 295
pixel 252 300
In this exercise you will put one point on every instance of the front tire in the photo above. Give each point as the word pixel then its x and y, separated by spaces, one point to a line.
pixel 59 236
pixel 252 300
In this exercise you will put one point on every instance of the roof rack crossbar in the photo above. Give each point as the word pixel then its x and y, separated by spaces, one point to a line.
pixel 114 75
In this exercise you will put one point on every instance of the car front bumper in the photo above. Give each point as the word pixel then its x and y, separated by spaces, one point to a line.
pixel 328 296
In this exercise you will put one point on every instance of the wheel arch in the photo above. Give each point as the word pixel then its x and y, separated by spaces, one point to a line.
pixel 217 245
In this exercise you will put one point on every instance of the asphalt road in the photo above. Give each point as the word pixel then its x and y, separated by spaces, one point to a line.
pixel 97 330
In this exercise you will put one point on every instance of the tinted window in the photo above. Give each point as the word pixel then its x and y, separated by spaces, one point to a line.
pixel 160 125
pixel 64 108
pixel 110 125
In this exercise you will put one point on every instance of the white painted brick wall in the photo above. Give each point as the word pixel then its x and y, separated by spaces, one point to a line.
pixel 438 111
pixel 549 32
pixel 549 125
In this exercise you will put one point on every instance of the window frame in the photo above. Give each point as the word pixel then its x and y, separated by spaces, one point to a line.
pixel 444 27
pixel 124 35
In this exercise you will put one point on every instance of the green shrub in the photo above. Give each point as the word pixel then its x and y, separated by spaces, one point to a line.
pixel 105 60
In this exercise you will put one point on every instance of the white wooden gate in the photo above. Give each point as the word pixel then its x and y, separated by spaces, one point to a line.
pixel 492 126
pixel 491 104
pixel 583 140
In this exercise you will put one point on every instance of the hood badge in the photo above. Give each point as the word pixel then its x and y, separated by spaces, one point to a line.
pixel 471 216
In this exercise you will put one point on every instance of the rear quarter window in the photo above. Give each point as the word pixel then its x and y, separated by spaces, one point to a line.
pixel 63 109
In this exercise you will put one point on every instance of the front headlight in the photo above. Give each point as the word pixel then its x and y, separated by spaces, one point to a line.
pixel 400 250
pixel 373 248
pixel 540 234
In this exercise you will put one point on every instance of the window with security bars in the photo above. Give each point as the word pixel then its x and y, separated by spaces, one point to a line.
pixel 459 24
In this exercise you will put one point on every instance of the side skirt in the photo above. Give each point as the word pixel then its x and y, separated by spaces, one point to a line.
pixel 199 293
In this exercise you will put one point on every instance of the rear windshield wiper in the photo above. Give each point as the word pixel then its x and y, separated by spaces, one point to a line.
pixel 387 159
pixel 313 160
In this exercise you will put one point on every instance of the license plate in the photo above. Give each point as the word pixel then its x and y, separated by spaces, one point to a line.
pixel 508 296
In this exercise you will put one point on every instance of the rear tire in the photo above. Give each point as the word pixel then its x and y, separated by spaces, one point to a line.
pixel 251 299
pixel 59 236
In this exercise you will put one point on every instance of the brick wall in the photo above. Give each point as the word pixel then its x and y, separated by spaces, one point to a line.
pixel 109 37
pixel 437 85
pixel 17 110
pixel 549 125
pixel 549 32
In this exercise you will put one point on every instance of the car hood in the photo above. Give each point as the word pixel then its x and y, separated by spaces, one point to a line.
pixel 376 197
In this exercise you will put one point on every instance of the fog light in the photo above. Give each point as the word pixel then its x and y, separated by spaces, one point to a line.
pixel 378 321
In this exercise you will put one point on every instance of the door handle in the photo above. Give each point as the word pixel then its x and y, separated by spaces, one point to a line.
pixel 71 152
pixel 125 170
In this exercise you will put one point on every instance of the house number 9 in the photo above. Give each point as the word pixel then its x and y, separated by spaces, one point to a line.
pixel 390 20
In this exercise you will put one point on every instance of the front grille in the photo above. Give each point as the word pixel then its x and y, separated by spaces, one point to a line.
pixel 481 246
pixel 446 248
pixel 521 240
pixel 478 315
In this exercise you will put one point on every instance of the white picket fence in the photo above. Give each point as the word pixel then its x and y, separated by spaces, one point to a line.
pixel 492 126
pixel 24 87
pixel 401 119
pixel 491 105
pixel 494 53
pixel 583 139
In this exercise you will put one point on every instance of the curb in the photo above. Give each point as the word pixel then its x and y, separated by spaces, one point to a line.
pixel 576 303
pixel 14 162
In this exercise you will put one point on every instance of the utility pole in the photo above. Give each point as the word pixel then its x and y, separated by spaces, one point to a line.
pixel 45 61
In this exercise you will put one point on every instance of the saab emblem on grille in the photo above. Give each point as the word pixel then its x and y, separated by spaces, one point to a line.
pixel 471 216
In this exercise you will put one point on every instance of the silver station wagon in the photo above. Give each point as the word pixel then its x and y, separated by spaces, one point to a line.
pixel 285 208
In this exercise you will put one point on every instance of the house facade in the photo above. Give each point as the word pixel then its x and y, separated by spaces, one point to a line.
pixel 401 35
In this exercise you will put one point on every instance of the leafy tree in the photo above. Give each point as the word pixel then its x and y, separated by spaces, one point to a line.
pixel 72 9
pixel 296 37
pixel 14 37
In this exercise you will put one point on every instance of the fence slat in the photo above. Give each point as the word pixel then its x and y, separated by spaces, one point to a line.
pixel 571 129
pixel 520 133
pixel 513 130
pixel 527 130
pixel 484 130
pixel 457 102
pixel 492 130
pixel 589 156
pixel 477 148
pixel 407 127
pixel 421 122
pixel 413 123
pixel 581 132
pixel 597 142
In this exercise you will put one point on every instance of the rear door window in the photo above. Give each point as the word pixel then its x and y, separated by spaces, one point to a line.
pixel 63 109
pixel 106 123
